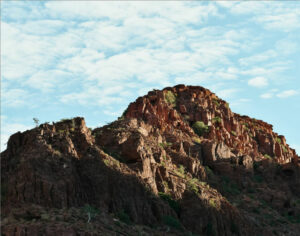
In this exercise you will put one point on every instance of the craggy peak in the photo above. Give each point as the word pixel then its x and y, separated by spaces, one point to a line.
pixel 177 162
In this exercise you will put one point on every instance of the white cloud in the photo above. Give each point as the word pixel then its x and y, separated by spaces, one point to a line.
pixel 48 80
pixel 257 58
pixel 226 93
pixel 287 93
pixel 14 97
pixel 258 82
pixel 266 95
pixel 286 21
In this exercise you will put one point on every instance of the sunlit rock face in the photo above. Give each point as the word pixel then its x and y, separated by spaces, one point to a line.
pixel 178 162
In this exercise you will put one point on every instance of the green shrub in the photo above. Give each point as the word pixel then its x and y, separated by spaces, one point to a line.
pixel 217 119
pixel 256 165
pixel 170 98
pixel 278 140
pixel 267 156
pixel 200 128
pixel 216 102
pixel 172 203
pixel 258 178
pixel 91 212
pixel 36 121
pixel 234 228
pixel 210 230
pixel 124 217
pixel 284 148
pixel 196 140
pixel 172 222
pixel 165 145
pixel 212 203
pixel 180 171
pixel 192 185
pixel 233 133
pixel 209 171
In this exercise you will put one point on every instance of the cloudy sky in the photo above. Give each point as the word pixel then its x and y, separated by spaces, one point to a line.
pixel 92 58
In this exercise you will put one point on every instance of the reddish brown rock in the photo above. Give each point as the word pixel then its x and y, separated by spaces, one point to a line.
pixel 153 169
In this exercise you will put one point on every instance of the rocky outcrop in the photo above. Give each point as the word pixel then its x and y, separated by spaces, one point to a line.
pixel 178 159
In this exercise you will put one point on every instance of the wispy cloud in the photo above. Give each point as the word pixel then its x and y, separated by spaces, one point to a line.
pixel 287 93
pixel 258 82
pixel 103 54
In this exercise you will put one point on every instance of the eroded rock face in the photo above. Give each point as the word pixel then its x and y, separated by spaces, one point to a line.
pixel 156 169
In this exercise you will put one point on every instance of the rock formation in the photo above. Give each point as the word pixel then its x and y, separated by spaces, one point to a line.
pixel 178 162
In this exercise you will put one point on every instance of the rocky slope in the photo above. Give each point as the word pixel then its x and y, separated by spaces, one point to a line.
pixel 178 162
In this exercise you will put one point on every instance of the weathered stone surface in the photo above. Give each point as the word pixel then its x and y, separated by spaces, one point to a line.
pixel 151 165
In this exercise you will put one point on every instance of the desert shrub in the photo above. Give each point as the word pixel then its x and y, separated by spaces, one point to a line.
pixel 216 102
pixel 36 121
pixel 278 140
pixel 172 222
pixel 210 230
pixel 180 171
pixel 209 171
pixel 196 140
pixel 91 212
pixel 212 203
pixel 172 203
pixel 170 98
pixel 267 156
pixel 284 148
pixel 256 165
pixel 217 119
pixel 226 105
pixel 124 217
pixel 234 228
pixel 165 145
pixel 258 178
pixel 192 185
pixel 200 128
pixel 233 133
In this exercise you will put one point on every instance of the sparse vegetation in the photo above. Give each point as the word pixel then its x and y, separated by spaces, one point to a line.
pixel 267 156
pixel 180 171
pixel 196 140
pixel 229 186
pixel 258 178
pixel 200 128
pixel 172 203
pixel 186 117
pixel 226 105
pixel 212 203
pixel 36 121
pixel 192 185
pixel 209 171
pixel 216 102
pixel 210 230
pixel 284 149
pixel 165 145
pixel 217 119
pixel 233 133
pixel 278 140
pixel 91 212
pixel 124 217
pixel 170 98
pixel 172 222
pixel 166 185
pixel 57 153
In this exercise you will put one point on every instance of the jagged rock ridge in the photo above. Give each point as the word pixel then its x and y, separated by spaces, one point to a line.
pixel 154 168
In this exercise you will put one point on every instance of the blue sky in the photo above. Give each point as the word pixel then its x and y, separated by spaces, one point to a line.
pixel 91 59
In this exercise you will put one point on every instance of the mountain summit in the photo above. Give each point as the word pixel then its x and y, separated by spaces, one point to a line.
pixel 177 162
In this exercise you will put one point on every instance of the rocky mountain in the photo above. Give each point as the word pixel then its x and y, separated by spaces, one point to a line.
pixel 178 162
